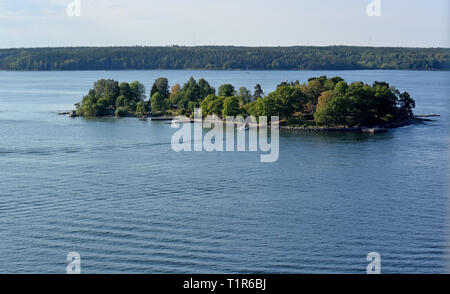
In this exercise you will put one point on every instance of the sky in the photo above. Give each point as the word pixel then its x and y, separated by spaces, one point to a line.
pixel 47 23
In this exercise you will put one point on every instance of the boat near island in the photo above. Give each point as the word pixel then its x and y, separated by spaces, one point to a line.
pixel 374 130
pixel 244 128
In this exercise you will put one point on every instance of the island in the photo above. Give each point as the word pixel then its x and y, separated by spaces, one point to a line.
pixel 322 103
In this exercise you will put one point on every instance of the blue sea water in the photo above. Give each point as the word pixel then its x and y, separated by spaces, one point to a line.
pixel 114 191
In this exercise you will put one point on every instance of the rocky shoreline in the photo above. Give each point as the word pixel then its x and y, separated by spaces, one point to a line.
pixel 372 130
pixel 417 119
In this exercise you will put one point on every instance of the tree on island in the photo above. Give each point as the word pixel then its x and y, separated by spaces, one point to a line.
pixel 107 96
pixel 231 107
pixel 321 101
pixel 157 103
pixel 244 95
pixel 258 92
pixel 212 105
pixel 226 90
pixel 161 86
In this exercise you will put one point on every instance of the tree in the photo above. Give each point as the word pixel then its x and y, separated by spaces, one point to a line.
pixel 111 91
pixel 321 116
pixel 244 95
pixel 161 85
pixel 231 107
pixel 226 90
pixel 121 101
pixel 108 89
pixel 258 92
pixel 212 105
pixel 287 100
pixel 313 90
pixel 205 89
pixel 157 102
pixel 141 107
pixel 99 88
pixel 120 111
pixel 125 90
pixel 191 90
pixel 87 107
pixel 406 104
pixel 192 105
pixel 324 99
pixel 138 91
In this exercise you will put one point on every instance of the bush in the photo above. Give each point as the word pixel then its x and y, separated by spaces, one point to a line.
pixel 296 121
pixel 120 112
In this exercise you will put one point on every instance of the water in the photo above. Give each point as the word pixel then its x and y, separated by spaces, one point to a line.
pixel 114 191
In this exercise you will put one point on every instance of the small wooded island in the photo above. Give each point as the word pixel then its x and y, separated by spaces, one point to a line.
pixel 319 103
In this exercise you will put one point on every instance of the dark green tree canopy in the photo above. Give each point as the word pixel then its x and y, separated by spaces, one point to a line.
pixel 226 90
pixel 161 86
pixel 224 58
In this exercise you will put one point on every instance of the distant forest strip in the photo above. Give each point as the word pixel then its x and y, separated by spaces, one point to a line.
pixel 225 58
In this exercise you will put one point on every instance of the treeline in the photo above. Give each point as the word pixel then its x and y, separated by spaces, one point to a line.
pixel 322 101
pixel 225 58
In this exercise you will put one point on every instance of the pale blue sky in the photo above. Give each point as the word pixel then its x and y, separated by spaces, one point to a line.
pixel 42 23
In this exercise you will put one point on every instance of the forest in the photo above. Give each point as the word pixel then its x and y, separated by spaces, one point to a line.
pixel 225 58
pixel 321 101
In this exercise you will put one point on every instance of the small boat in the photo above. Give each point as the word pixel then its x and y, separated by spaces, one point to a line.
pixel 374 130
pixel 243 128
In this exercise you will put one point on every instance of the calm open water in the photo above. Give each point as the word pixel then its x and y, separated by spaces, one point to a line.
pixel 114 191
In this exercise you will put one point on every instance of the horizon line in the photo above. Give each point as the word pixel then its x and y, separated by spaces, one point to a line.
pixel 229 46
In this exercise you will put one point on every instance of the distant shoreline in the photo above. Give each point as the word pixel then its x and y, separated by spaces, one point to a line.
pixel 229 70
pixel 225 58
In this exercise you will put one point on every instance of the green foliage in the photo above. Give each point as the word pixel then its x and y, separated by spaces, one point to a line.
pixel 157 103
pixel 231 107
pixel 406 104
pixel 142 107
pixel 120 112
pixel 225 58
pixel 125 90
pixel 244 95
pixel 296 121
pixel 161 86
pixel 212 105
pixel 323 101
pixel 226 90
pixel 284 102
pixel 258 92
pixel 360 104
pixel 108 89
pixel 192 105
pixel 107 96
pixel 137 91
pixel 191 91
pixel 205 89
